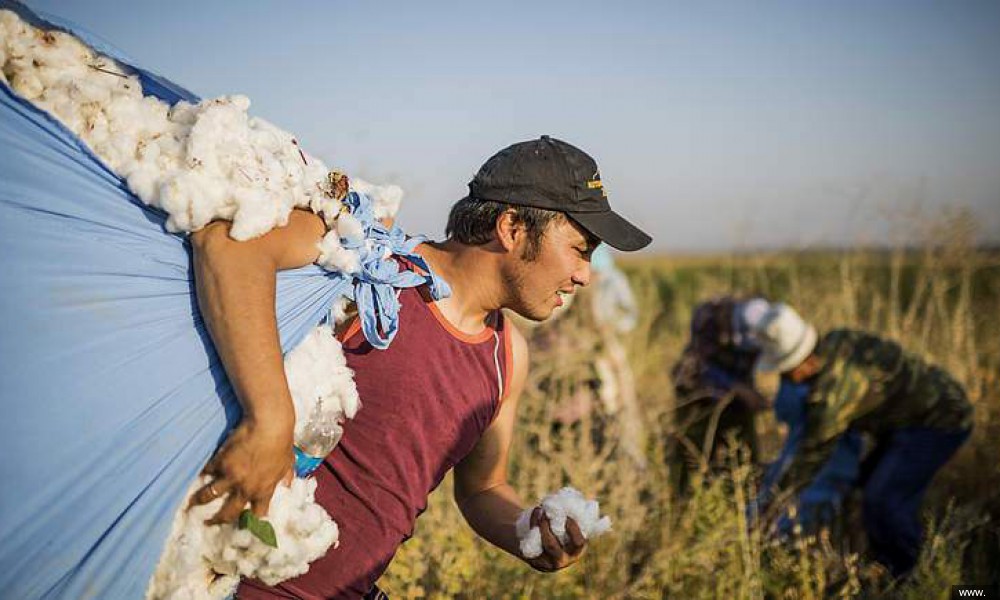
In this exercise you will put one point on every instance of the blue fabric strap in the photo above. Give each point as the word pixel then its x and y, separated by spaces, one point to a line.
pixel 108 366
pixel 380 276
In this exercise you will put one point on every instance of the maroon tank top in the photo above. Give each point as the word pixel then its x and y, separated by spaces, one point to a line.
pixel 425 402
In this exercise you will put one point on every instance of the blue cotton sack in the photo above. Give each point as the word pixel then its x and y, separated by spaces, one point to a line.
pixel 113 396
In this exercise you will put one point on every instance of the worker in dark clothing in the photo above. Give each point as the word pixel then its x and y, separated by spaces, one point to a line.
pixel 713 379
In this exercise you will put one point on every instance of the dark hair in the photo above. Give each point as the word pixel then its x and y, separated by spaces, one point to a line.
pixel 472 221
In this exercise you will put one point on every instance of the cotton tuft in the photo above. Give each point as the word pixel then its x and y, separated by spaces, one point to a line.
pixel 197 162
pixel 206 562
pixel 320 380
pixel 566 503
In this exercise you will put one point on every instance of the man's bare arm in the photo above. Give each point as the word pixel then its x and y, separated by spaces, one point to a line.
pixel 235 284
pixel 488 502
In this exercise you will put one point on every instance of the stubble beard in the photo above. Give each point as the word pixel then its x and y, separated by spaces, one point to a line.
pixel 517 289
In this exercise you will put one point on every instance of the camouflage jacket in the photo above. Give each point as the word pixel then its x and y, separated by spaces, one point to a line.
pixel 872 385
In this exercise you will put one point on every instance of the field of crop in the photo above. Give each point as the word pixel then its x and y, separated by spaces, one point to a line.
pixel 941 300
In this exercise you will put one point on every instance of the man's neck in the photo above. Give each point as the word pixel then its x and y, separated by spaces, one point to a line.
pixel 806 369
pixel 471 274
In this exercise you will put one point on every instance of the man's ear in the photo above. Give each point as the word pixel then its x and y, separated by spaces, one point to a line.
pixel 508 230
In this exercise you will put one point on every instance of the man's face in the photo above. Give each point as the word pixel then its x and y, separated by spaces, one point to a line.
pixel 535 286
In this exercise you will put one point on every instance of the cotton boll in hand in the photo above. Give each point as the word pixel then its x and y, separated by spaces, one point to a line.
pixel 530 537
pixel 558 507
pixel 570 503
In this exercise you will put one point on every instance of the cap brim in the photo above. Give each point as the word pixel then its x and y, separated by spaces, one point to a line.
pixel 612 229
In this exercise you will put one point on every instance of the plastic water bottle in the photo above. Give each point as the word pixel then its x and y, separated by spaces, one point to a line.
pixel 316 439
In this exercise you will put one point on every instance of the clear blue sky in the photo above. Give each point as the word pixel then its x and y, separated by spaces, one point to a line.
pixel 717 125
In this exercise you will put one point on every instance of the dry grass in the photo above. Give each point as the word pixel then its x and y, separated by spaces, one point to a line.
pixel 942 300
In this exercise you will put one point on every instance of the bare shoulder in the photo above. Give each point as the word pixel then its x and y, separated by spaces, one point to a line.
pixel 517 338
pixel 290 246
pixel 519 357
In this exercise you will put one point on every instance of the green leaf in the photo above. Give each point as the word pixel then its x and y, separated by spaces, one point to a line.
pixel 260 528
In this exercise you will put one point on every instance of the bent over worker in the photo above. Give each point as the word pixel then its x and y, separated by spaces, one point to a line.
pixel 443 395
pixel 713 379
pixel 915 413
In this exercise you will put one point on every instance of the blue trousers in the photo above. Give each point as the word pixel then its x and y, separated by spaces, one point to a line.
pixel 895 479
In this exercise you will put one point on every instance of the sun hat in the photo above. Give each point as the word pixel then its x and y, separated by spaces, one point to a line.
pixel 785 338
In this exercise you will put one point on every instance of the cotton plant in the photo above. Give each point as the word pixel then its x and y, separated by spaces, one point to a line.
pixel 567 503
pixel 198 163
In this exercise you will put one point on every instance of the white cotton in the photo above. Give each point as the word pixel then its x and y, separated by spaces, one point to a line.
pixel 303 529
pixel 86 88
pixel 530 537
pixel 184 570
pixel 58 49
pixel 334 257
pixel 566 503
pixel 197 162
pixel 143 183
pixel 11 26
pixel 318 375
pixel 338 309
pixel 255 215
pixel 385 198
pixel 206 562
pixel 350 228
pixel 27 84
pixel 176 195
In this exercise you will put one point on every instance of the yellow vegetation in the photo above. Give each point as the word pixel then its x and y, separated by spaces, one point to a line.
pixel 941 300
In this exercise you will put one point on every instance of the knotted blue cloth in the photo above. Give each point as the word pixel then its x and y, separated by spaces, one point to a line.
pixel 380 276
pixel 112 394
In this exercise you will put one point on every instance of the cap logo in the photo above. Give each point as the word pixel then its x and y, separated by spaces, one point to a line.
pixel 596 184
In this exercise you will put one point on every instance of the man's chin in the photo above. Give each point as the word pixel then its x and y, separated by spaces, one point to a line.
pixel 534 314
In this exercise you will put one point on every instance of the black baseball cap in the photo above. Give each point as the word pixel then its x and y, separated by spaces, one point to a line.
pixel 551 174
